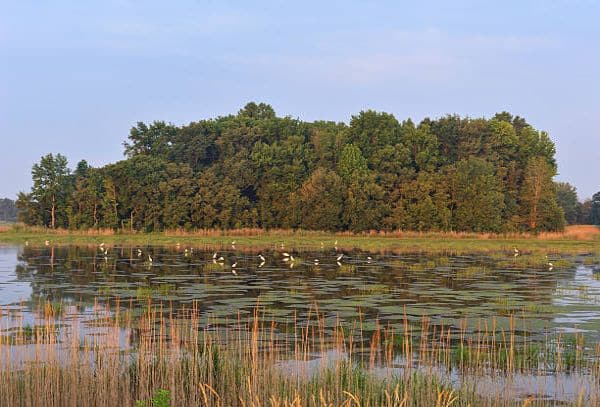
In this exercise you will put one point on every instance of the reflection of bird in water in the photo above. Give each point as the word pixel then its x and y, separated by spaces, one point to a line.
pixel 139 252
pixel 369 258
pixel 316 262
pixel 550 266
pixel 339 257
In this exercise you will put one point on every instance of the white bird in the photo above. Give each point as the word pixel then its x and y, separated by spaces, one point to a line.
pixel 516 252
pixel 369 258
pixel 292 259
pixel 139 252
pixel 340 257
pixel 286 254
pixel 47 243
pixel 150 258
pixel 261 257
pixel 221 258
pixel 102 244
pixel 26 243
pixel 233 242
pixel 316 262
pixel 234 265
pixel 335 243
pixel 215 255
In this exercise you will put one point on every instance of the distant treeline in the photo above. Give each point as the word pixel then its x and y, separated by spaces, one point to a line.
pixel 255 169
pixel 8 210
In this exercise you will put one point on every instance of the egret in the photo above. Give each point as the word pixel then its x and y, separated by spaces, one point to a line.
pixel 26 242
pixel 516 252
pixel 292 259
pixel 234 265
pixel 215 255
pixel 47 243
pixel 335 243
pixel 261 257
pixel 316 262
pixel 286 254
pixel 102 244
pixel 221 258
pixel 150 258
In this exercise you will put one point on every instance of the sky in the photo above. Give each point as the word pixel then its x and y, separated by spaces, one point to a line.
pixel 76 75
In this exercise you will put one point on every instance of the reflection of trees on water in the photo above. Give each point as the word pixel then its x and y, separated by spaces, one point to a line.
pixel 81 274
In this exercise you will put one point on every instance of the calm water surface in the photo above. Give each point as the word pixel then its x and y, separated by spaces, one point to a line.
pixel 446 289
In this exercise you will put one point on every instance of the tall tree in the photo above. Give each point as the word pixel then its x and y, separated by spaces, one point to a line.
pixel 539 196
pixel 566 196
pixel 51 187
pixel 595 209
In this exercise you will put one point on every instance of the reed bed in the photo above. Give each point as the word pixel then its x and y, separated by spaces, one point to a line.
pixel 168 357
pixel 573 232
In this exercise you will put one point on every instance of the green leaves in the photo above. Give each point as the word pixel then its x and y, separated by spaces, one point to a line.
pixel 256 169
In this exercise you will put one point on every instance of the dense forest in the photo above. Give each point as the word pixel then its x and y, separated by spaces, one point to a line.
pixel 255 169
pixel 8 210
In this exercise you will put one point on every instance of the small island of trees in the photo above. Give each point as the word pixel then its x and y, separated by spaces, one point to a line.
pixel 255 169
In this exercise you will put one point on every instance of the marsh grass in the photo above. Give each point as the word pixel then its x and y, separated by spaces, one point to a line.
pixel 579 239
pixel 179 359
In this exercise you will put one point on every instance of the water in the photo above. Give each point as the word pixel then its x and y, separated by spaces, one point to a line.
pixel 463 292
pixel 447 289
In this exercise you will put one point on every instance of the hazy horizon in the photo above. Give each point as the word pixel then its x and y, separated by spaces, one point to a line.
pixel 75 77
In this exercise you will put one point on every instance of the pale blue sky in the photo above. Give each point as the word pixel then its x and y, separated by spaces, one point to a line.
pixel 76 75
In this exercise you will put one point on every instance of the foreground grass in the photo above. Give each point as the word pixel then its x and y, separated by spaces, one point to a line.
pixel 167 358
pixel 575 240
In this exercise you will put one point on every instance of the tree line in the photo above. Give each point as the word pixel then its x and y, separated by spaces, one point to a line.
pixel 254 169
pixel 8 210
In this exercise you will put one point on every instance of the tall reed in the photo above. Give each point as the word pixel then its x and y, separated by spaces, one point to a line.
pixel 110 358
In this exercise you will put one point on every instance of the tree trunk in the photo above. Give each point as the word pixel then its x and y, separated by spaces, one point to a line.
pixel 53 212
pixel 95 215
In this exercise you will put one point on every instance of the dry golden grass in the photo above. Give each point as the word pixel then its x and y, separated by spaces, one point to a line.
pixel 576 232
pixel 573 232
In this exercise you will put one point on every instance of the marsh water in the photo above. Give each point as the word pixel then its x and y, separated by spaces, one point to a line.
pixel 530 294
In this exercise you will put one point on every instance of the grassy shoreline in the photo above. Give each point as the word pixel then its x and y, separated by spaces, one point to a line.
pixel 575 240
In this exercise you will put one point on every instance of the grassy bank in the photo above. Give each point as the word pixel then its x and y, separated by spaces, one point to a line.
pixel 163 358
pixel 575 239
